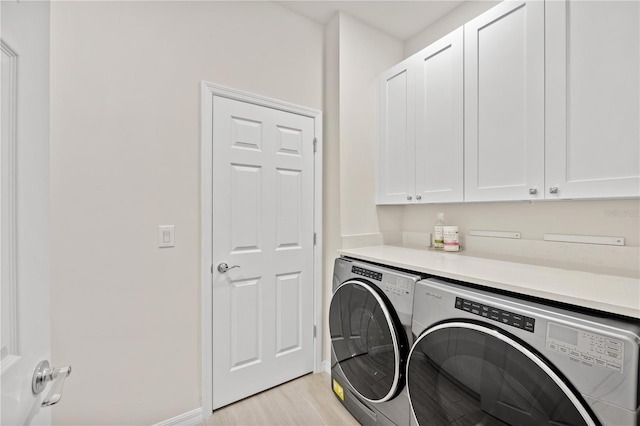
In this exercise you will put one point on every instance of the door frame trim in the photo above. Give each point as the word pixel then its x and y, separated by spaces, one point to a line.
pixel 207 92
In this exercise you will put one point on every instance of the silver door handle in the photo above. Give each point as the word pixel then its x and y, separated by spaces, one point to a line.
pixel 223 267
pixel 45 374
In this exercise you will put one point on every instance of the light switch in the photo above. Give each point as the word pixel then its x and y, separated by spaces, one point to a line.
pixel 166 236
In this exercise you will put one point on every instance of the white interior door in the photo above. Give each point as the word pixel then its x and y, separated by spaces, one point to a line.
pixel 263 222
pixel 25 214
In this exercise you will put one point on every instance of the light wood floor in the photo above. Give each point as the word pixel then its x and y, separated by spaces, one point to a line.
pixel 307 400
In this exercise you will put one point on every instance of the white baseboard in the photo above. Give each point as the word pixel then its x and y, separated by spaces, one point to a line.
pixel 326 366
pixel 190 418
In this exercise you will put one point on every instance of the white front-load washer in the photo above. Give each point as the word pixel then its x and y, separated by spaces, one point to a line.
pixel 370 327
pixel 494 359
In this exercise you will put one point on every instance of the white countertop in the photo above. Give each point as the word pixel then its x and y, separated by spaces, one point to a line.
pixel 608 293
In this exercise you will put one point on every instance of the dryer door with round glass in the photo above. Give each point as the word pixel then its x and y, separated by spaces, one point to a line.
pixel 367 340
pixel 472 373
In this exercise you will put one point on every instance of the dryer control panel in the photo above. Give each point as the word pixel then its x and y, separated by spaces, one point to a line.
pixel 367 273
pixel 500 315
pixel 586 347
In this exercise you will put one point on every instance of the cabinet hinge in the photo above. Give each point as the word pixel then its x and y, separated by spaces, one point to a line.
pixel 315 238
pixel 314 331
pixel 315 144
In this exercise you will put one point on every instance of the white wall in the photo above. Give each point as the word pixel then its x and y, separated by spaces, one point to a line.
pixel 355 53
pixel 331 168
pixel 449 22
pixel 125 80
pixel 364 53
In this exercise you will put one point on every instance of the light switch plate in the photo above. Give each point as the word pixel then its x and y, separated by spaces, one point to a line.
pixel 166 236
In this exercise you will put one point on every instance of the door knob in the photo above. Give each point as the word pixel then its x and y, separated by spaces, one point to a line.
pixel 223 267
pixel 45 374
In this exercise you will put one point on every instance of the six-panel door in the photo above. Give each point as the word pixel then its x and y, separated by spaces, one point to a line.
pixel 263 223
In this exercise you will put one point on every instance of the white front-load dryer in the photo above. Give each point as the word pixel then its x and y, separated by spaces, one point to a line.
pixel 370 326
pixel 495 359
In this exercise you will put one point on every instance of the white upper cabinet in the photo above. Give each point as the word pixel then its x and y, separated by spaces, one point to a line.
pixel 531 100
pixel 420 142
pixel 440 120
pixel 396 135
pixel 504 103
pixel 592 99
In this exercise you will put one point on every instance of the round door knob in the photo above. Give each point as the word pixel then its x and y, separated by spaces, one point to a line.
pixel 409 197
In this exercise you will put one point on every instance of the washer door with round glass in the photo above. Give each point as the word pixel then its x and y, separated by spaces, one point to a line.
pixel 470 373
pixel 367 340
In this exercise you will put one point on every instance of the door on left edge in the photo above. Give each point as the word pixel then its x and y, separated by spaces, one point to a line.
pixel 24 231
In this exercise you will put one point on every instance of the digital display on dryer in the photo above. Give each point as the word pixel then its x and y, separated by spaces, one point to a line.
pixel 495 314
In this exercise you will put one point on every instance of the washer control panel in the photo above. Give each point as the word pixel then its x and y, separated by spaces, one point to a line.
pixel 495 314
pixel 586 347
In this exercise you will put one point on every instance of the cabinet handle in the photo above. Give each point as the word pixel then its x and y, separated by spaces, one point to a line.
pixel 409 197
pixel 418 197
pixel 533 191
pixel 553 190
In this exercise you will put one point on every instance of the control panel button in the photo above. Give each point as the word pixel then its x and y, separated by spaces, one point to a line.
pixel 614 366
pixel 600 362
pixel 613 343
pixel 495 314
pixel 587 358
pixel 529 324
pixel 517 321
pixel 611 354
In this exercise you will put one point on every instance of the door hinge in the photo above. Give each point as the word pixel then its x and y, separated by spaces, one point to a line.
pixel 314 331
pixel 315 144
pixel 315 238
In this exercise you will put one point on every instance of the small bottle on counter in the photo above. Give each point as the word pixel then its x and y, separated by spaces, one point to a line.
pixel 451 241
pixel 438 236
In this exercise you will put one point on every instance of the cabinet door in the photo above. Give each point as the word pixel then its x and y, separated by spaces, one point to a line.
pixel 396 143
pixel 504 103
pixel 593 99
pixel 440 120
